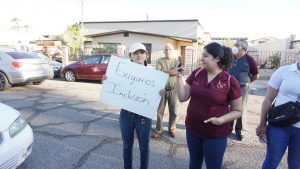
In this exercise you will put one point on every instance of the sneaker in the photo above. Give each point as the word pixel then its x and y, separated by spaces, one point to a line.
pixel 172 134
pixel 156 134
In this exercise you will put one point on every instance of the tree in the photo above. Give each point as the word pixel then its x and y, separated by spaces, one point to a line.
pixel 72 37
pixel 16 21
pixel 26 27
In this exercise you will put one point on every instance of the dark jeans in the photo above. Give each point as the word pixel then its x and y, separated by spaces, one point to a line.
pixel 171 98
pixel 128 123
pixel 240 123
pixel 211 149
pixel 278 140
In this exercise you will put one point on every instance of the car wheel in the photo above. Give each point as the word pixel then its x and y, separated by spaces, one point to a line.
pixel 4 83
pixel 38 83
pixel 70 76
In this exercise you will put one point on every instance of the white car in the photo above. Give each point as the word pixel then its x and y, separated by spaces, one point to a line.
pixel 16 138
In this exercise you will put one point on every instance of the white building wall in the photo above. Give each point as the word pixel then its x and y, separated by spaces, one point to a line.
pixel 276 45
pixel 156 42
pixel 186 29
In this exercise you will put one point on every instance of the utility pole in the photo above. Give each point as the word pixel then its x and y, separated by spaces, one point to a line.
pixel 81 31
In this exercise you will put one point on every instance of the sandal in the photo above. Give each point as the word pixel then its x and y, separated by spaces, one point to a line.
pixel 156 134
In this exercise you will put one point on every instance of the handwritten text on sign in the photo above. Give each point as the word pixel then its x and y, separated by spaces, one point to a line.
pixel 133 87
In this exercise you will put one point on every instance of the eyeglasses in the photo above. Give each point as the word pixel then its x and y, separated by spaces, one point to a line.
pixel 236 45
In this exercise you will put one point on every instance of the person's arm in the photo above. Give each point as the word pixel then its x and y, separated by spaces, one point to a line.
pixel 270 96
pixel 255 77
pixel 171 72
pixel 236 107
pixel 254 74
pixel 183 89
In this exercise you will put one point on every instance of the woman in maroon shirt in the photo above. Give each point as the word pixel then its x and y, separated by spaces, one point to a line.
pixel 215 102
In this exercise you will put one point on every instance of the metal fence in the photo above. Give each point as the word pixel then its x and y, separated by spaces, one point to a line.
pixel 274 59
pixel 190 60
pixel 264 59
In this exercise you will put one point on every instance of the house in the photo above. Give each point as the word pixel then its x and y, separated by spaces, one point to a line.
pixel 262 40
pixel 227 41
pixel 187 36
pixel 272 52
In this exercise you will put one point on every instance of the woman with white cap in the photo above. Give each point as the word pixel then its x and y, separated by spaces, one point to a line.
pixel 130 121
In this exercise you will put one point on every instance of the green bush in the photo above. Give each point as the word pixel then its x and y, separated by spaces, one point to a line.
pixel 275 60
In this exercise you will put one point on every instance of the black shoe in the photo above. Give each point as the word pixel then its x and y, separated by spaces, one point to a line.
pixel 239 137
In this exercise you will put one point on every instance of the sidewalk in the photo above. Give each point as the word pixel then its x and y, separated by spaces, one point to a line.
pixel 259 85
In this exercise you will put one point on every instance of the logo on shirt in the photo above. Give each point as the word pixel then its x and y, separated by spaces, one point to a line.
pixel 221 85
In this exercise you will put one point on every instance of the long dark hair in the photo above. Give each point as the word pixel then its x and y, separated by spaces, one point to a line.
pixel 222 52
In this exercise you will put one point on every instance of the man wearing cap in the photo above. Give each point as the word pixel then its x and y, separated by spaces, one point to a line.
pixel 245 70
pixel 167 64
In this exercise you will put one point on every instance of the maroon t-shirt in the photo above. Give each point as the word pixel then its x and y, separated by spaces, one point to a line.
pixel 210 100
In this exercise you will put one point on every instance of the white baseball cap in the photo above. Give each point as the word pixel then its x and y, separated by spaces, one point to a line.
pixel 137 46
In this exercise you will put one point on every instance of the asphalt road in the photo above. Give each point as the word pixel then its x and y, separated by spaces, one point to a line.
pixel 73 129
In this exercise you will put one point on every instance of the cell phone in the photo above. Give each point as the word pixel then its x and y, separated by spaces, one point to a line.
pixel 180 69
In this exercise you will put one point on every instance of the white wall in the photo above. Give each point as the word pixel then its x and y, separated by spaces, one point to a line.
pixel 186 29
pixel 276 45
pixel 157 42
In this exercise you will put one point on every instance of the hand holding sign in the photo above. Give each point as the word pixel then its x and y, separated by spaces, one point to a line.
pixel 133 87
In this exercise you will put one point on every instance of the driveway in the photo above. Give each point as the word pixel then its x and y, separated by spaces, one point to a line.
pixel 73 129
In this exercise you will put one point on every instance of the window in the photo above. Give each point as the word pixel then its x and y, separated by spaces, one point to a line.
pixel 126 34
pixel 22 55
pixel 149 48
pixel 104 47
pixel 92 60
pixel 105 59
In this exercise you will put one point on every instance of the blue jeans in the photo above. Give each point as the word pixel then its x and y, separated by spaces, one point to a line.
pixel 278 139
pixel 128 123
pixel 211 149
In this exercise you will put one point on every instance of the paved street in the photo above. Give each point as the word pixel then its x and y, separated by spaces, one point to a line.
pixel 73 129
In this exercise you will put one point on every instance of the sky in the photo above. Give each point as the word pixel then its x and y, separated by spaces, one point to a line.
pixel 221 18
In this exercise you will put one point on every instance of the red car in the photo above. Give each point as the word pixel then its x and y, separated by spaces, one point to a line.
pixel 90 68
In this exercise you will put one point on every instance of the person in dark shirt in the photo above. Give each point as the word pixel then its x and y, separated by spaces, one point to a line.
pixel 245 70
pixel 215 101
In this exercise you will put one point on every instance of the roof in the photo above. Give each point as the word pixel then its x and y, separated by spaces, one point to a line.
pixel 186 29
pixel 183 20
pixel 142 33
pixel 263 39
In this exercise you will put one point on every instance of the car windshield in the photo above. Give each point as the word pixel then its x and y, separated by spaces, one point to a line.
pixel 41 56
pixel 21 55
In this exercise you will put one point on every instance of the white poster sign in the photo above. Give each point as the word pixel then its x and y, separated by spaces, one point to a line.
pixel 133 87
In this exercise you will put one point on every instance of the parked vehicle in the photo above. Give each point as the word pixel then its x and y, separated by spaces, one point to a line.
pixel 57 66
pixel 16 138
pixel 90 68
pixel 22 67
